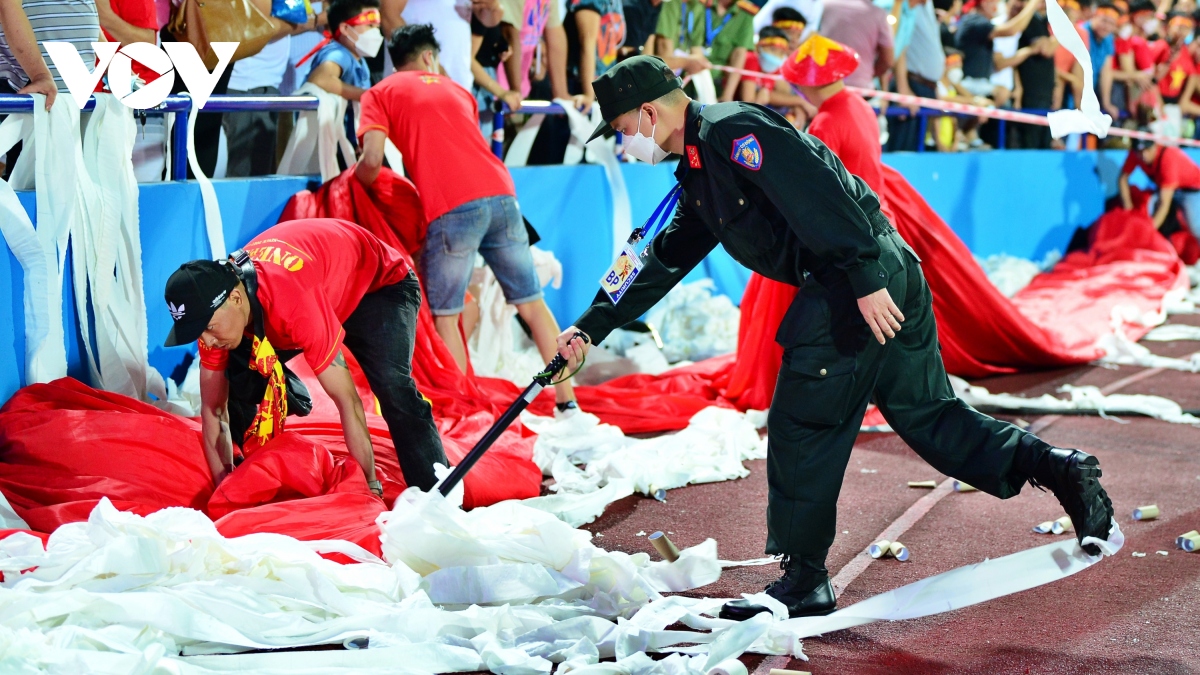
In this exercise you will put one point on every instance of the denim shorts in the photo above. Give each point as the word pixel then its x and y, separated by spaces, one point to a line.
pixel 492 227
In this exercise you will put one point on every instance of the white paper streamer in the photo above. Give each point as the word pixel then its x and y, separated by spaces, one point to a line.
pixel 318 136
pixel 41 255
pixel 518 150
pixel 1080 398
pixel 706 88
pixel 602 153
pixel 1088 118
pixel 1121 351
pixel 1173 332
pixel 212 209
pixel 525 591
pixel 961 587
pixel 107 256
pixel 695 322
pixel 710 449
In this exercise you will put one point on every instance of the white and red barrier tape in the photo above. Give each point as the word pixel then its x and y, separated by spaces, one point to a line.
pixel 980 111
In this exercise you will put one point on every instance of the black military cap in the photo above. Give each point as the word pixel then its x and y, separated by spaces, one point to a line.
pixel 629 84
pixel 193 293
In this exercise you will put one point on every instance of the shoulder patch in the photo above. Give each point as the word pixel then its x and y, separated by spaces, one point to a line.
pixel 747 152
pixel 693 157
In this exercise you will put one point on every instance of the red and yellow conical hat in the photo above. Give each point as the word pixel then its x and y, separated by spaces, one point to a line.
pixel 819 61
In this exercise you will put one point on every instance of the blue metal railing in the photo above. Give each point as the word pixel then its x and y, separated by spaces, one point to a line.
pixel 181 105
pixel 894 110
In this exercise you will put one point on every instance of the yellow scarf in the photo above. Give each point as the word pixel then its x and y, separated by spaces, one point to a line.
pixel 272 411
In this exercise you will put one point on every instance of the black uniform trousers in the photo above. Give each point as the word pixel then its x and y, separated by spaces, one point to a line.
pixel 833 367
pixel 380 333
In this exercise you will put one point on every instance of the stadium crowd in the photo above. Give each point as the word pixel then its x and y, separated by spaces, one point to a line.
pixel 984 52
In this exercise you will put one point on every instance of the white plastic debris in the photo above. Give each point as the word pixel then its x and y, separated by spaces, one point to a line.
pixel 694 323
pixel 1010 274
pixel 594 464
pixel 1081 398
pixel 1172 332
pixel 498 346
pixel 1121 351
pixel 519 591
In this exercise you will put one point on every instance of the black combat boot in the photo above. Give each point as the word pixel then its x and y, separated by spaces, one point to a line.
pixel 1074 478
pixel 804 589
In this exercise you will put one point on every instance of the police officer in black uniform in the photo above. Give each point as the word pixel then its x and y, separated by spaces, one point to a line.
pixel 784 206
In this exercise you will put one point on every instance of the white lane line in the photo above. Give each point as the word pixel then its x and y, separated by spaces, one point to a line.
pixel 860 562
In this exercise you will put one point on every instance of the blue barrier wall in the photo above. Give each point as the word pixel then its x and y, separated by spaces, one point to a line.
pixel 171 216
pixel 1023 203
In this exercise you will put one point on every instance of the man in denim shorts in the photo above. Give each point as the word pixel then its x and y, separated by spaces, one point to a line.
pixel 467 193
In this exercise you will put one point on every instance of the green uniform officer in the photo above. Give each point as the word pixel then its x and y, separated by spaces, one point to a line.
pixel 861 328
pixel 721 30
pixel 676 27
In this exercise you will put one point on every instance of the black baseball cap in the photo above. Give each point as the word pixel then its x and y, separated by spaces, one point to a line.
pixel 629 84
pixel 194 292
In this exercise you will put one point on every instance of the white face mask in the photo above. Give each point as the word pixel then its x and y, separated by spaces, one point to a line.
pixel 1125 32
pixel 954 75
pixel 1150 26
pixel 643 148
pixel 367 44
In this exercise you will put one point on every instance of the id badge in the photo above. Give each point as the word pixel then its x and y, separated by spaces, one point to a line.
pixel 620 276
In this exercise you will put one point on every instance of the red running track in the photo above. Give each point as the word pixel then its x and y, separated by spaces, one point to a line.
pixel 1126 615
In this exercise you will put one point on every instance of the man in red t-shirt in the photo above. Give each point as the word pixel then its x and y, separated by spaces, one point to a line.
pixel 468 195
pixel 128 21
pixel 305 286
pixel 1180 59
pixel 1175 174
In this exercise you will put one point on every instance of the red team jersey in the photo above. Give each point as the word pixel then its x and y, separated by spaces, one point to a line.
pixel 1171 168
pixel 312 274
pixel 1171 85
pixel 434 123
pixel 1145 54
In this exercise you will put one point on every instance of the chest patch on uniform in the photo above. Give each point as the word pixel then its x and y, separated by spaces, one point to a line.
pixel 747 152
pixel 693 155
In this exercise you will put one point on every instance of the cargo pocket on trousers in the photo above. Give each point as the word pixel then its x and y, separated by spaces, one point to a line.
pixel 815 384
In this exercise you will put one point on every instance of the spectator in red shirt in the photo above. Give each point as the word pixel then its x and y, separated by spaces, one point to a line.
pixel 1148 49
pixel 1187 62
pixel 1177 178
pixel 468 195
pixel 768 56
pixel 1129 78
pixel 305 286
pixel 127 21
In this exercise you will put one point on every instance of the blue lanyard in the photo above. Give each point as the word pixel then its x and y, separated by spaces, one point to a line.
pixel 709 33
pixel 660 217
pixel 687 22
